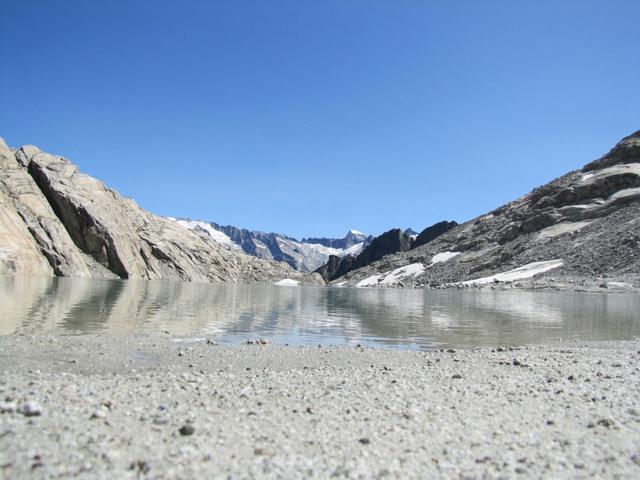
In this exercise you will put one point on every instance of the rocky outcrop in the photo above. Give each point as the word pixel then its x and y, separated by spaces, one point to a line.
pixel 58 221
pixel 585 223
pixel 393 241
pixel 390 242
pixel 336 267
pixel 33 240
pixel 429 234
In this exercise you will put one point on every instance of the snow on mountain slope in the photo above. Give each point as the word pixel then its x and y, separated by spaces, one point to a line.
pixel 310 256
pixel 307 255
pixel 216 235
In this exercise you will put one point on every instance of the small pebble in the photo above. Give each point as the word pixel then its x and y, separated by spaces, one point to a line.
pixel 31 409
pixel 7 407
pixel 187 430
pixel 605 422
pixel 98 414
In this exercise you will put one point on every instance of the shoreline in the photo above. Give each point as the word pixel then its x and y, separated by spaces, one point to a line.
pixel 116 407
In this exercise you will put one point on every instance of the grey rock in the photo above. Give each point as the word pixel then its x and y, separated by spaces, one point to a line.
pixel 31 409
pixel 187 430
pixel 7 407
pixel 431 233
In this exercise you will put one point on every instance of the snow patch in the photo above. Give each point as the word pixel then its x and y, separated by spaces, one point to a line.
pixel 371 281
pixel 287 282
pixel 560 228
pixel 526 271
pixel 443 257
pixel 393 277
pixel 586 176
pixel 216 235
pixel 397 275
pixel 353 250
pixel 310 256
pixel 356 232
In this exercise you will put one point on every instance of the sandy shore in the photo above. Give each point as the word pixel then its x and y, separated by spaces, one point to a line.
pixel 145 406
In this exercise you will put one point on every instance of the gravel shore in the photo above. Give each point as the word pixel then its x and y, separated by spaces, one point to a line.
pixel 150 406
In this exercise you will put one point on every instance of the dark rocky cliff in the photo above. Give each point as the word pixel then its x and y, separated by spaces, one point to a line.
pixel 392 241
pixel 431 233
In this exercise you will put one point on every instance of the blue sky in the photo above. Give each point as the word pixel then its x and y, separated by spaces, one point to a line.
pixel 313 117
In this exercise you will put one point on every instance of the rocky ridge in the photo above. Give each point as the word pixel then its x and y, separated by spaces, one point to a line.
pixel 305 255
pixel 580 230
pixel 57 221
pixel 392 241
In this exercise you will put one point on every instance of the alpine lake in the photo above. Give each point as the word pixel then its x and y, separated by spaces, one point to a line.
pixel 304 315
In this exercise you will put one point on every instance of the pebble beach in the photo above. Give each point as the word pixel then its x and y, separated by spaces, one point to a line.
pixel 155 406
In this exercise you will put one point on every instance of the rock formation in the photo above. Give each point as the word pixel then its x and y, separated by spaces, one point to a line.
pixel 57 221
pixel 431 233
pixel 392 241
pixel 582 229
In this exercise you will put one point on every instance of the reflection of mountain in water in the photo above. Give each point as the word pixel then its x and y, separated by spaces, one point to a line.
pixel 232 313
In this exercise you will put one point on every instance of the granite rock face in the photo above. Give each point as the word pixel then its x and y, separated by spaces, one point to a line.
pixel 54 252
pixel 585 225
pixel 58 221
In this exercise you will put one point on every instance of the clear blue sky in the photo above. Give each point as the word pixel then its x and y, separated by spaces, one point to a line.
pixel 313 117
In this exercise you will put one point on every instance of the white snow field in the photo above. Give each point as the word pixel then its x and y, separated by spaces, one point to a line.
pixel 216 235
pixel 443 257
pixel 392 277
pixel 287 282
pixel 560 228
pixel 526 271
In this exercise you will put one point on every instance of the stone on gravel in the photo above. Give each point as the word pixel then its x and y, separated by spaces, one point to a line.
pixel 187 430
pixel 31 409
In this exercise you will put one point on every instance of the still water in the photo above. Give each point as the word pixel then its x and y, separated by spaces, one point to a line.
pixel 410 319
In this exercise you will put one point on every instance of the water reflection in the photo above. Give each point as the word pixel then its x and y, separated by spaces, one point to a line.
pixel 311 315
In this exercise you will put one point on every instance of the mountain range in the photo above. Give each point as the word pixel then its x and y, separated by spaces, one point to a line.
pixel 305 255
pixel 581 230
